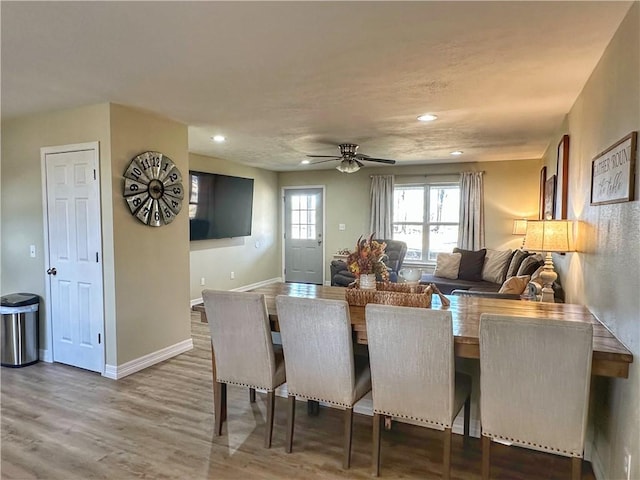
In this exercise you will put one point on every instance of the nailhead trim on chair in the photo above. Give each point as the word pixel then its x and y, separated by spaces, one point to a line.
pixel 244 384
pixel 566 453
pixel 321 400
pixel 408 417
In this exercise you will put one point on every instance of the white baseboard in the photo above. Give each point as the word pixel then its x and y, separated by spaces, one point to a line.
pixel 197 301
pixel 45 356
pixel 116 372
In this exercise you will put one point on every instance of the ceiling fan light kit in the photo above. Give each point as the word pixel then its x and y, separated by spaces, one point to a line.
pixel 348 166
pixel 350 161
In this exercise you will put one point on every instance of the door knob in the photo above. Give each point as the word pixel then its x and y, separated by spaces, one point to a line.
pixel 52 271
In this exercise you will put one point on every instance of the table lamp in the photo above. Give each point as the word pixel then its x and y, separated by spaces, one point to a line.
pixel 549 236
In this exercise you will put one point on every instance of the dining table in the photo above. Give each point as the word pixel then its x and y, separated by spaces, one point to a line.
pixel 610 356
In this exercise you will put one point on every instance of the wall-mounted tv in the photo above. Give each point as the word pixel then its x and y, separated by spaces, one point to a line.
pixel 220 206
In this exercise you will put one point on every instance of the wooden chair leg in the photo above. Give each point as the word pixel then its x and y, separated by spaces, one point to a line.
pixel 223 395
pixel 576 468
pixel 268 433
pixel 467 416
pixel 218 399
pixel 375 463
pixel 290 422
pixel 486 457
pixel 446 455
pixel 219 393
pixel 313 408
pixel 252 395
pixel 348 428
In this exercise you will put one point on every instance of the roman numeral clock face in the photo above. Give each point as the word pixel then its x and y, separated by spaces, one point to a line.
pixel 153 189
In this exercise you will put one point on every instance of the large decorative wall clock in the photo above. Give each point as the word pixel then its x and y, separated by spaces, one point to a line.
pixel 153 188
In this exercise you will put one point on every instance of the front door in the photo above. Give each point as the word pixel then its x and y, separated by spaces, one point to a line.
pixel 303 235
pixel 75 255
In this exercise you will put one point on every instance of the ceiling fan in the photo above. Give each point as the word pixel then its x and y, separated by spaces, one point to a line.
pixel 350 161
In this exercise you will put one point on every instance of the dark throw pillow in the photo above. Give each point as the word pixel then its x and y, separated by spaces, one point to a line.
pixel 531 264
pixel 516 261
pixel 471 264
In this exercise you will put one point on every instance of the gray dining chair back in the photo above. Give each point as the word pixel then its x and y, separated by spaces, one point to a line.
pixel 318 347
pixel 534 380
pixel 413 373
pixel 242 349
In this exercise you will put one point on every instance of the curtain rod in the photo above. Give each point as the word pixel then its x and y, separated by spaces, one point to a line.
pixel 425 174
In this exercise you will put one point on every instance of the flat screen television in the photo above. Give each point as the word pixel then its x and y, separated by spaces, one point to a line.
pixel 220 206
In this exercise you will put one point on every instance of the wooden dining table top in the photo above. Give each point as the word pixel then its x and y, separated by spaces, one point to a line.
pixel 610 357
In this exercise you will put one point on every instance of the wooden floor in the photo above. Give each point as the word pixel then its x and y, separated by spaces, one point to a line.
pixel 60 422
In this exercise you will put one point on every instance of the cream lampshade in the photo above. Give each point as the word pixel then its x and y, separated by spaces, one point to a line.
pixel 519 226
pixel 549 236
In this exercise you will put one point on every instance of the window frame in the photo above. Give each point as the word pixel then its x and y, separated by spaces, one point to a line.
pixel 426 224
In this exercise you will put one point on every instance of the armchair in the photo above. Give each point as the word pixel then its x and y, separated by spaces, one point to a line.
pixel 395 251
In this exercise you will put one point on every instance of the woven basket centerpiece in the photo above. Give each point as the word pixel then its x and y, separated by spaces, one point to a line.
pixel 388 293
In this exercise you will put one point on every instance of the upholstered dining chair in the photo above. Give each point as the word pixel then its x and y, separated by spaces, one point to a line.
pixel 413 372
pixel 242 352
pixel 534 385
pixel 321 366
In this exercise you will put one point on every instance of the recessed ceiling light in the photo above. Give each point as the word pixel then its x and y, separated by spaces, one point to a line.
pixel 218 138
pixel 304 162
pixel 427 117
pixel 457 153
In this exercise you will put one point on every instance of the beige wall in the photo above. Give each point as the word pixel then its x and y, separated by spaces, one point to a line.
pixel 145 270
pixel 252 259
pixel 151 263
pixel 605 274
pixel 511 191
pixel 22 205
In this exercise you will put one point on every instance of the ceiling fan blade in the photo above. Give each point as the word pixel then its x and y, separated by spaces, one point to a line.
pixel 325 161
pixel 362 156
pixel 325 156
pixel 379 160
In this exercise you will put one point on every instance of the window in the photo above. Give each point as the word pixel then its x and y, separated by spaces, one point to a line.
pixel 426 218
pixel 303 217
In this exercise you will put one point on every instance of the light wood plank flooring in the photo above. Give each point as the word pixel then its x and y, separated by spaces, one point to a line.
pixel 60 422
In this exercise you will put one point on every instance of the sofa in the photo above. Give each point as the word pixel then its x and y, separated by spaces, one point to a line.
pixel 395 253
pixel 484 272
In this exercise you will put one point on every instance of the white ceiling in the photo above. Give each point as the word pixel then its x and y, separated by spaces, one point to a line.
pixel 285 79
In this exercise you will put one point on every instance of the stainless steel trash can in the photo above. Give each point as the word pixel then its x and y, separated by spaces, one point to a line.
pixel 19 329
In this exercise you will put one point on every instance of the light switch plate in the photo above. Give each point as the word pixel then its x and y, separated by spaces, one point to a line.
pixel 342 227
pixel 32 251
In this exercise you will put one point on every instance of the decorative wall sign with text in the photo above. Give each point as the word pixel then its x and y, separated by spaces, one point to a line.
pixel 153 188
pixel 613 172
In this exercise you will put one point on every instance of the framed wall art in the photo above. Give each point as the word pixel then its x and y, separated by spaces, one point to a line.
pixel 613 172
pixel 543 180
pixel 562 179
pixel 549 198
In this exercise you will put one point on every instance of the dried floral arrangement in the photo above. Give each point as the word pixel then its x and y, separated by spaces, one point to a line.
pixel 368 258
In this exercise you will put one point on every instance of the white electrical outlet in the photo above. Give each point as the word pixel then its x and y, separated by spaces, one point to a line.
pixel 627 464
pixel 233 275
pixel 202 282
pixel 32 251
pixel 342 227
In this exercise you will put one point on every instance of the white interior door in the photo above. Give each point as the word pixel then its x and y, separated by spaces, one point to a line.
pixel 303 235
pixel 75 255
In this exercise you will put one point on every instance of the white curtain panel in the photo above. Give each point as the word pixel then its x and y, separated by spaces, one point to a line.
pixel 471 231
pixel 382 205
